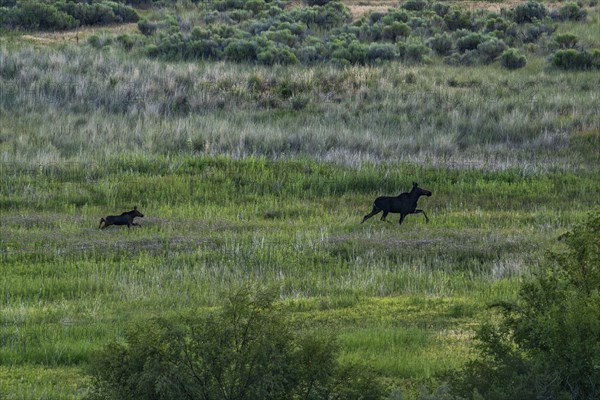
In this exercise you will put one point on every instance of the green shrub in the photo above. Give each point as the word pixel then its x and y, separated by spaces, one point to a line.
pixel 571 59
pixel 31 14
pixel 245 350
pixel 146 27
pixel 395 30
pixel 255 6
pixel 414 5
pixel 497 24
pixel 469 42
pixel 316 2
pixel 283 36
pixel 126 41
pixel 547 345
pixel 596 58
pixel 566 40
pixel 512 59
pixel 529 12
pixel 491 49
pixel 413 52
pixel 441 44
pixel 571 11
pixel 395 16
pixel 277 55
pixel 241 50
pixel 354 53
pixel 456 20
pixel 381 52
pixel 299 102
pixel 204 49
pixel 440 9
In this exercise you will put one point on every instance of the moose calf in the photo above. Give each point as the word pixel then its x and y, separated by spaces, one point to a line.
pixel 124 219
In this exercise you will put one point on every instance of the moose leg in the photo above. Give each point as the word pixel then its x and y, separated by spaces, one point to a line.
pixel 401 219
pixel 384 216
pixel 375 211
pixel 422 212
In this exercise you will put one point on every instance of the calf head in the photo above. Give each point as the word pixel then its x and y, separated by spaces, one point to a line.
pixel 420 191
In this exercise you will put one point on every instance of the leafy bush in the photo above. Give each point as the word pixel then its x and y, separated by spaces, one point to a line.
pixel 533 32
pixel 245 350
pixel 413 52
pixel 31 14
pixel 512 59
pixel 441 44
pixel 61 15
pixel 491 49
pixel 277 55
pixel 548 344
pixel 255 6
pixel 572 59
pixel 456 20
pixel 596 58
pixel 529 12
pixel 440 9
pixel 497 25
pixel 146 27
pixel 241 50
pixel 381 52
pixel 395 30
pixel 414 5
pixel 469 42
pixel 354 53
pixel 316 2
pixel 570 11
pixel 566 40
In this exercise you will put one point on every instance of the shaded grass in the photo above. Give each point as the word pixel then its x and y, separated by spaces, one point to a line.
pixel 75 103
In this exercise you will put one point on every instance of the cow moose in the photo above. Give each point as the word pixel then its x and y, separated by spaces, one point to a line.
pixel 404 204
pixel 125 218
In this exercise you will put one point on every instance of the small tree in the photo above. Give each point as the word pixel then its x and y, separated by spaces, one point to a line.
pixel 246 350
pixel 548 345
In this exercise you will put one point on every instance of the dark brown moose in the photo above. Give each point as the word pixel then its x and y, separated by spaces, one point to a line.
pixel 404 204
pixel 125 218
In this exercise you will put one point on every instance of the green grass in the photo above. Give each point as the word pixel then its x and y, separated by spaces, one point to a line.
pixel 241 185
pixel 403 299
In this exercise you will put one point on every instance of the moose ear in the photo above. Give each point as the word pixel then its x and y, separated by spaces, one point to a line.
pixel 135 207
pixel 415 184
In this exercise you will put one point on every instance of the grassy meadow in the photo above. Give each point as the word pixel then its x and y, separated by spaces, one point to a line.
pixel 261 175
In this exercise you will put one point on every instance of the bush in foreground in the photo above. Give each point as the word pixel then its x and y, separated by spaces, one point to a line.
pixel 547 346
pixel 246 350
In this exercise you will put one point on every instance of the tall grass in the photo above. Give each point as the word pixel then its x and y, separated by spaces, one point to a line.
pixel 87 104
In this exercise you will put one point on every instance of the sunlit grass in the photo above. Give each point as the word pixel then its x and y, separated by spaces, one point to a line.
pixel 214 223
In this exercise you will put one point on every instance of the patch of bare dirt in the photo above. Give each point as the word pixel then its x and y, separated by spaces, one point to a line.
pixel 80 34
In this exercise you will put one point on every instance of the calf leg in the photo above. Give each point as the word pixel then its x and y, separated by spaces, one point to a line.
pixel 384 216
pixel 422 212
pixel 375 211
